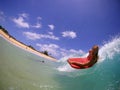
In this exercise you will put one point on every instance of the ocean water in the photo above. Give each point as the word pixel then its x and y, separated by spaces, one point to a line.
pixel 21 70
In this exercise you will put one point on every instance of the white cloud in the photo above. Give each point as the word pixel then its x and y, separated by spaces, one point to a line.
pixel 35 36
pixel 71 52
pixel 20 22
pixel 65 52
pixel 50 33
pixel 25 15
pixel 38 25
pixel 2 16
pixel 51 26
pixel 70 34
pixel 76 51
pixel 49 36
pixel 39 18
pixel 32 36
pixel 51 48
pixel 57 51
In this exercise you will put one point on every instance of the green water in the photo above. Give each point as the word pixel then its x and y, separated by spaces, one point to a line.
pixel 21 70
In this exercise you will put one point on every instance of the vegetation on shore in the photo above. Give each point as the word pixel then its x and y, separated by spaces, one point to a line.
pixel 6 32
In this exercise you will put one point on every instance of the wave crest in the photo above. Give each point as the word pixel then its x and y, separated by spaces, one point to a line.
pixel 107 50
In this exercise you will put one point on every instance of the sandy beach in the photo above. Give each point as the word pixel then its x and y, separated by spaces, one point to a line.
pixel 23 46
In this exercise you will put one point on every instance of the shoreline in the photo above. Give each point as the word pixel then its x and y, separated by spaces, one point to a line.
pixel 23 46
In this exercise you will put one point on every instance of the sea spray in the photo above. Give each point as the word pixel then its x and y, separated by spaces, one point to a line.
pixel 108 50
pixel 104 75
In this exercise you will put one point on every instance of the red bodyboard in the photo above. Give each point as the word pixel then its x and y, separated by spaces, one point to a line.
pixel 80 60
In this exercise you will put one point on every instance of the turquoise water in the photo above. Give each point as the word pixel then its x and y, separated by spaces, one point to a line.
pixel 21 70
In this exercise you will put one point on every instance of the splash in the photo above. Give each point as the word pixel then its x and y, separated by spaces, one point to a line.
pixel 64 66
pixel 107 50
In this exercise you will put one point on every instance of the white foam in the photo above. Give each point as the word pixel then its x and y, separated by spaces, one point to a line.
pixel 65 68
pixel 108 50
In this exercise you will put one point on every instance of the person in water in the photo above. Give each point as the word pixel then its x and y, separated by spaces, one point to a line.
pixel 90 60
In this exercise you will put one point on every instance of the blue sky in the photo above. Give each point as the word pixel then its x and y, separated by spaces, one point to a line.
pixel 62 27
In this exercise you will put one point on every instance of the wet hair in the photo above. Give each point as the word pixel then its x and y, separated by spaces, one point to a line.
pixel 95 53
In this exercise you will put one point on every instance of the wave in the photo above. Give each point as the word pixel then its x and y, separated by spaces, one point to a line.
pixel 106 52
pixel 109 49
